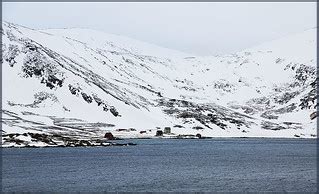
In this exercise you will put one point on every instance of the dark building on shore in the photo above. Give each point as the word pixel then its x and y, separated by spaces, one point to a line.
pixel 159 133
pixel 109 136
pixel 167 130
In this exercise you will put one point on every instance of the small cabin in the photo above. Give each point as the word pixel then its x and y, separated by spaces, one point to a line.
pixel 109 136
pixel 167 130
pixel 159 133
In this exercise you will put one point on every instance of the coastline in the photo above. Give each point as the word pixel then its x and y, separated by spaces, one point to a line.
pixel 112 143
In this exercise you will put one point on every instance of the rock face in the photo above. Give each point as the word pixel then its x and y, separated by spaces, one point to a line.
pixel 96 82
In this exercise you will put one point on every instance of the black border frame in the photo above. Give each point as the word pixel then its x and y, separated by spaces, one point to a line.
pixel 155 1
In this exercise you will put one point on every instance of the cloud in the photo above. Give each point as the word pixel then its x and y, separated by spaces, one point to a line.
pixel 198 28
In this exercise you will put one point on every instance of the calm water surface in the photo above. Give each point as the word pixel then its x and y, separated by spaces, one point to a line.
pixel 166 165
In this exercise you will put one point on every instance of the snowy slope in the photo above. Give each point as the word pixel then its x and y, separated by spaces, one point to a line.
pixel 81 83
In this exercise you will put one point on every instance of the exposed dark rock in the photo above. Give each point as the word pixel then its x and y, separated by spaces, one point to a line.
pixel 185 115
pixel 224 85
pixel 286 97
pixel 38 65
pixel 271 126
pixel 149 88
pixel 98 100
pixel 74 90
pixel 114 111
pixel 43 138
pixel 198 127
pixel 29 45
pixel 310 100
pixel 38 99
pixel 267 115
pixel 188 111
pixel 86 97
pixel 313 115
pixel 303 72
pixel 105 108
pixel 171 111
pixel 11 54
pixel 286 109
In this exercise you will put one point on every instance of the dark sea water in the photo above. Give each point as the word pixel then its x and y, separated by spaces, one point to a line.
pixel 232 164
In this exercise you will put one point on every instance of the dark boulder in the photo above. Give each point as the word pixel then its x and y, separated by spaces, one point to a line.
pixel 73 90
pixel 105 108
pixel 313 115
pixel 114 111
pixel 87 98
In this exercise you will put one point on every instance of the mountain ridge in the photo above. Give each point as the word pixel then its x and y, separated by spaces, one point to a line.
pixel 106 86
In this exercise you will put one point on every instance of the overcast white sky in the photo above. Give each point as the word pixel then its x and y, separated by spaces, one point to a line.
pixel 197 28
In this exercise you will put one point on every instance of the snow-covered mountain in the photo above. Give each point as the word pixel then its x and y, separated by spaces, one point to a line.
pixel 64 85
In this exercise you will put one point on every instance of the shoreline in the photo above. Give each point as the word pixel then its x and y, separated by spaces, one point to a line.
pixel 115 144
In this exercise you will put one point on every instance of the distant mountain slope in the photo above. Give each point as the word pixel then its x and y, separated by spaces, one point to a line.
pixel 78 83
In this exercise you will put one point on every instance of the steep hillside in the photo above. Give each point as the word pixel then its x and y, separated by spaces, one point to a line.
pixel 66 85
